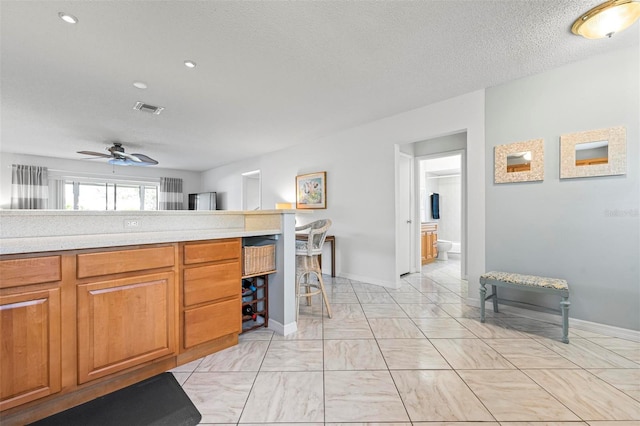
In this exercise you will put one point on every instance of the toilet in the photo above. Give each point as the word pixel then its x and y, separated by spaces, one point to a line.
pixel 443 248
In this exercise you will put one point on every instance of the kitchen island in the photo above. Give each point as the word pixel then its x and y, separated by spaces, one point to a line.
pixel 94 301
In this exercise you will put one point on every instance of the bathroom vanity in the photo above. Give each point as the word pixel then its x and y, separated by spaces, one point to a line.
pixel 89 307
pixel 428 242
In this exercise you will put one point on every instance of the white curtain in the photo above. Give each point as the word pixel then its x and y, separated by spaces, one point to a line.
pixel 171 197
pixel 29 187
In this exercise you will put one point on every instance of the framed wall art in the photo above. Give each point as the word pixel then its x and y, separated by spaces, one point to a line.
pixel 519 162
pixel 311 191
pixel 601 152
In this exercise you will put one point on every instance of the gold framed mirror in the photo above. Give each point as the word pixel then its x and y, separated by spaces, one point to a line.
pixel 601 152
pixel 519 162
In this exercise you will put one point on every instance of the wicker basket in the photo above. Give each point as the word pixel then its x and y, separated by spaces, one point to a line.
pixel 259 259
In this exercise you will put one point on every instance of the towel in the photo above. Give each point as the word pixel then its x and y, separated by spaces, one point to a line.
pixel 435 205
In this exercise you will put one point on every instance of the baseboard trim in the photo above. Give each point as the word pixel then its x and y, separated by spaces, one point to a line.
pixel 593 327
pixel 282 330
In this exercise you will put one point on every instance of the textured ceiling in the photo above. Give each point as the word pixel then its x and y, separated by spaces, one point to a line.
pixel 269 75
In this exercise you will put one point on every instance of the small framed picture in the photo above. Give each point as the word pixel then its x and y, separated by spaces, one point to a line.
pixel 311 191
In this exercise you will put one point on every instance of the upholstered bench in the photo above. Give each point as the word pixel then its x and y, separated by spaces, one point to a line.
pixel 528 283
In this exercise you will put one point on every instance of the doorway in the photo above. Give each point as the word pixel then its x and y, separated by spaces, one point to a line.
pixel 441 203
pixel 251 190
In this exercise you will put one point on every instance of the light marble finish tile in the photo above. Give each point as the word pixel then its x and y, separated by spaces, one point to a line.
pixel 395 328
pixel 245 356
pixel 460 310
pixel 347 329
pixel 613 423
pixel 188 367
pixel 285 397
pixel 587 395
pixel 587 354
pixel 369 424
pixel 342 298
pixel 470 354
pixel 294 355
pixel 588 334
pixel 441 298
pixel 347 311
pixel 375 298
pixel 512 396
pixel 328 279
pixel 409 298
pixel 367 288
pixel 424 310
pixel 338 288
pixel 362 396
pixel 405 287
pixel 492 329
pixel 543 423
pixel 353 355
pixel 383 311
pixel 627 380
pixel 412 354
pixel 308 329
pixel 205 389
pixel 181 377
pixel 283 424
pixel 438 396
pixel 528 353
pixel 626 348
pixel 442 328
pixel 257 334
pixel 462 424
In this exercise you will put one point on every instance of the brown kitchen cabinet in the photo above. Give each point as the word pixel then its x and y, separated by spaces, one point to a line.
pixel 429 245
pixel 211 296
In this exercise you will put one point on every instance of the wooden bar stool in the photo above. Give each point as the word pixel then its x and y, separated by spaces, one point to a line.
pixel 307 263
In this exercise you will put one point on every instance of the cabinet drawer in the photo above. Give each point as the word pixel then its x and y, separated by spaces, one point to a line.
pixel 114 262
pixel 34 270
pixel 208 283
pixel 211 321
pixel 212 251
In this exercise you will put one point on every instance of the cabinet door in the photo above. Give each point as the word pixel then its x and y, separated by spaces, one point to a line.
pixel 124 322
pixel 30 349
pixel 424 247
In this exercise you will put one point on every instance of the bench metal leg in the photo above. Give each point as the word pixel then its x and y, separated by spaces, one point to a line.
pixel 564 305
pixel 483 295
pixel 495 298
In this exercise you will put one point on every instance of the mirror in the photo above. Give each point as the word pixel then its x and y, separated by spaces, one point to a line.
pixel 589 153
pixel 601 152
pixel 519 162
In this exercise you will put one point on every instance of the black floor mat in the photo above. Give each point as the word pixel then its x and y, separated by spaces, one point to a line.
pixel 158 401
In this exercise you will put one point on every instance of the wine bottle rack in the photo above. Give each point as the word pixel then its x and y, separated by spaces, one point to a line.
pixel 258 301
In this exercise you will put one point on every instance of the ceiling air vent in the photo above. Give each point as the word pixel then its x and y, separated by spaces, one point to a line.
pixel 141 106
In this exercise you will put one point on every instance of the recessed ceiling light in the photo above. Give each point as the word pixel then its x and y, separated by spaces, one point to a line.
pixel 189 64
pixel 69 19
pixel 139 85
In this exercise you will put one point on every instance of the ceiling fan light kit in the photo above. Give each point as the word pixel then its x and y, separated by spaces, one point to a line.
pixel 607 19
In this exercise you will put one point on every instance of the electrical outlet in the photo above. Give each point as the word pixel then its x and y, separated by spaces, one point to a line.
pixel 131 223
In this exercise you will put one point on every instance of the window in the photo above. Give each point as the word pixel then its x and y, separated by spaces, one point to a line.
pixel 80 195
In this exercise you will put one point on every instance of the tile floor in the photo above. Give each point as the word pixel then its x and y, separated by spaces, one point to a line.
pixel 417 354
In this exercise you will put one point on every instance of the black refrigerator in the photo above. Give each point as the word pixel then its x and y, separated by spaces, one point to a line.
pixel 202 201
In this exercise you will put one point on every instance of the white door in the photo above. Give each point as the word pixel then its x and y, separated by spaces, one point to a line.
pixel 404 225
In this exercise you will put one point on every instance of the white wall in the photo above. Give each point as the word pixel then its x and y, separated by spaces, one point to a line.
pixel 565 228
pixel 361 182
pixel 191 180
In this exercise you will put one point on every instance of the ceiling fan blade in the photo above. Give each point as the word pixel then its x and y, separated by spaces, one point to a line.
pixel 127 156
pixel 145 159
pixel 97 154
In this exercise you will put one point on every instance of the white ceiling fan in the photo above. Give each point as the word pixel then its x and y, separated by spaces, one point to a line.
pixel 118 157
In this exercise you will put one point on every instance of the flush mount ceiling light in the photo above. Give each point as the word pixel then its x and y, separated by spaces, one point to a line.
pixel 69 19
pixel 607 19
pixel 139 85
pixel 189 64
